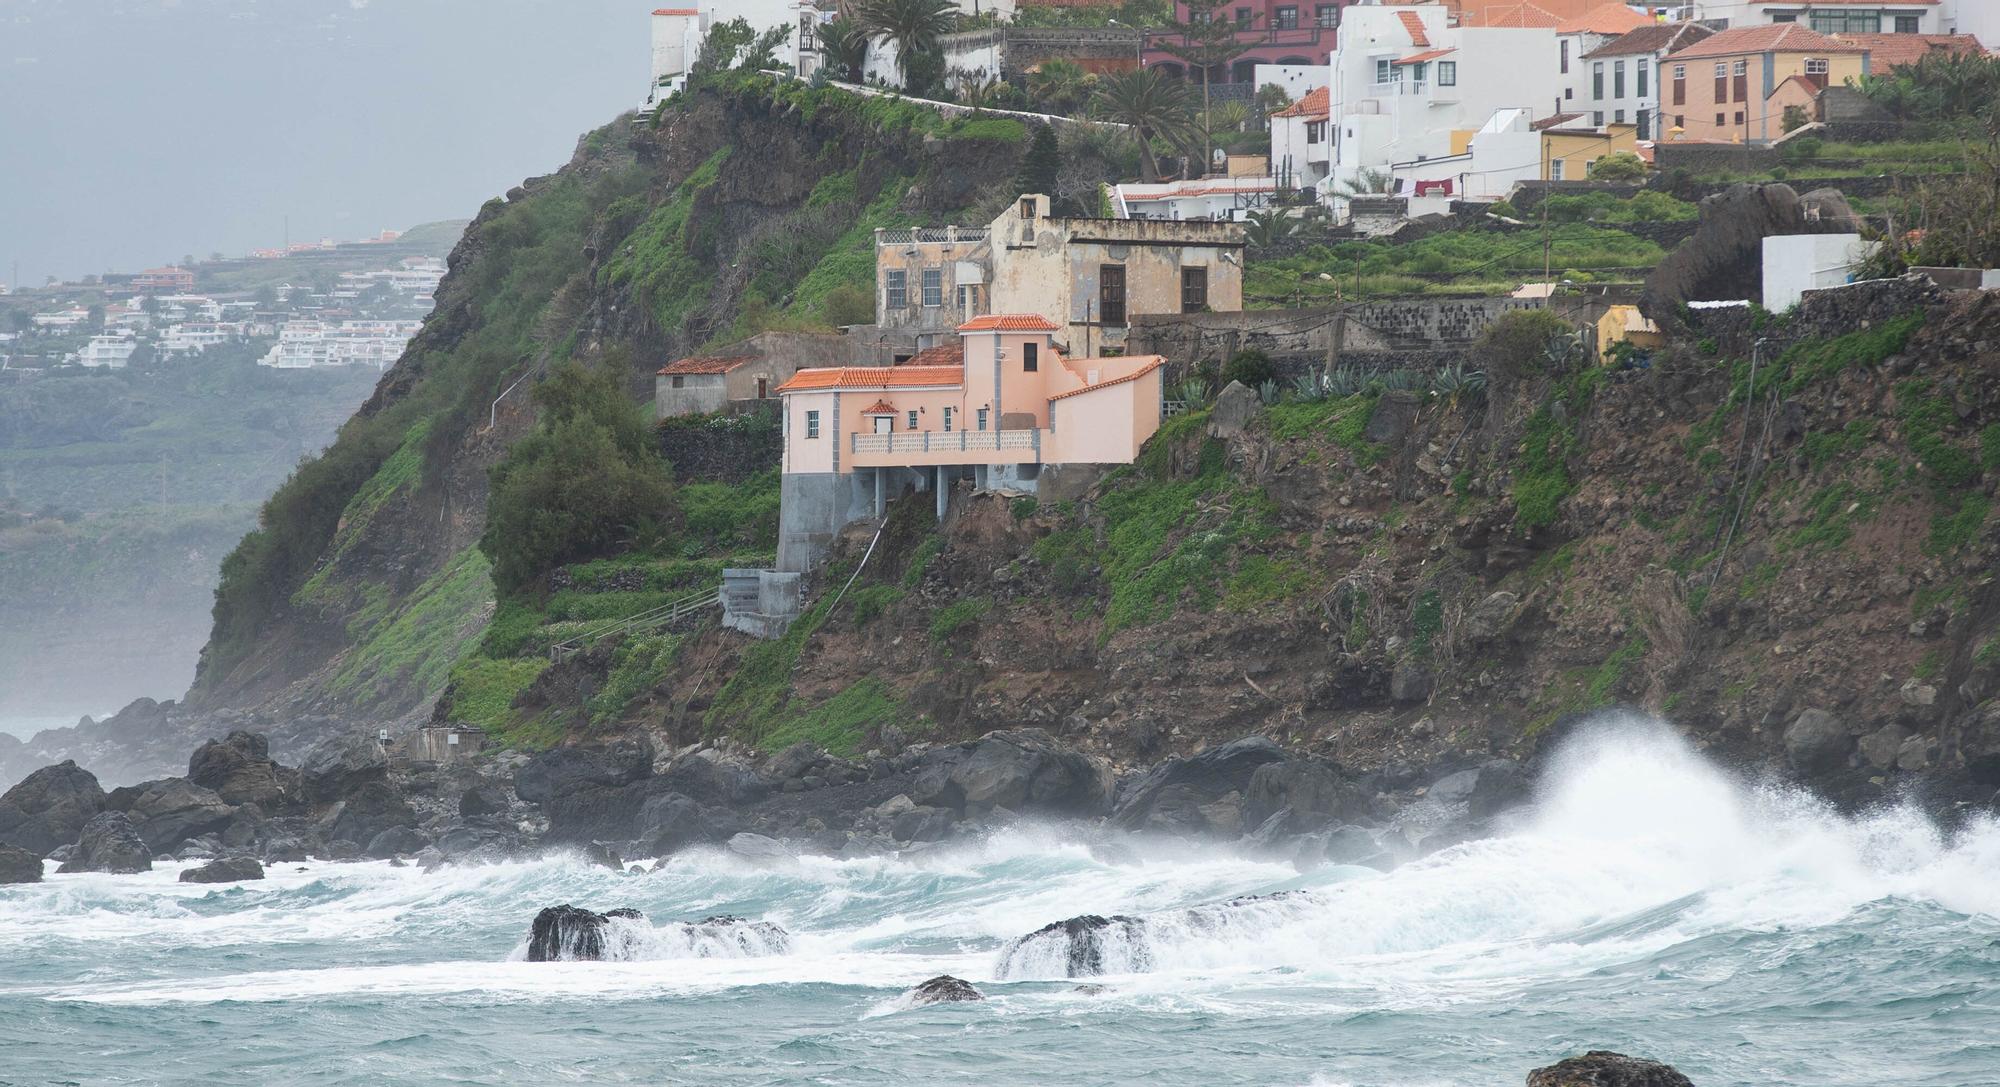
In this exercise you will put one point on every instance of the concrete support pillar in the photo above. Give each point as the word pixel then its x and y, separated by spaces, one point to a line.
pixel 943 492
pixel 881 503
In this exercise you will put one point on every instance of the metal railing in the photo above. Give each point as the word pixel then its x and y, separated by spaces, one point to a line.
pixel 645 620
pixel 930 234
pixel 1400 86
pixel 955 441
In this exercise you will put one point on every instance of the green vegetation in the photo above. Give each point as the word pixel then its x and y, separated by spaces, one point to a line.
pixel 409 645
pixel 1603 207
pixel 921 559
pixel 1548 441
pixel 483 692
pixel 638 665
pixel 1453 261
pixel 1824 447
pixel 668 260
pixel 1925 419
pixel 958 615
pixel 841 723
pixel 1955 527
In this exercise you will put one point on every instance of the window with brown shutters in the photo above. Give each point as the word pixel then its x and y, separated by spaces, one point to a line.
pixel 1742 74
pixel 1194 290
pixel 1111 294
pixel 1680 84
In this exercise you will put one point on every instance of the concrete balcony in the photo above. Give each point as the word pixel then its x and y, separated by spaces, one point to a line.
pixel 1400 87
pixel 946 447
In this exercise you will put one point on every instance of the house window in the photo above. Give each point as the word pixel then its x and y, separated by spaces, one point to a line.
pixel 1597 119
pixel 1846 22
pixel 1326 16
pixel 1288 18
pixel 1031 357
pixel 1680 121
pixel 1194 290
pixel 1721 81
pixel 1618 79
pixel 1641 69
pixel 911 421
pixel 1027 208
pixel 1385 71
pixel 1243 17
pixel 1785 17
pixel 1111 294
pixel 679 381
pixel 1618 116
pixel 1721 119
pixel 1447 73
pixel 1906 24
pixel 763 388
pixel 1564 45
pixel 1555 169
pixel 1680 84
pixel 1741 70
pixel 1198 18
pixel 896 289
pixel 1645 120
pixel 1817 66
pixel 1739 116
pixel 947 420
pixel 1597 81
pixel 933 287
pixel 812 424
pixel 1315 131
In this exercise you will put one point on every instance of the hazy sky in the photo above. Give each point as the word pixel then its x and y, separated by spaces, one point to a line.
pixel 134 131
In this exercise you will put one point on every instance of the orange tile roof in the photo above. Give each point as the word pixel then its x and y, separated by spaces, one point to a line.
pixel 1651 39
pixel 677 11
pixel 702 365
pixel 1776 38
pixel 881 407
pixel 1415 25
pixel 1316 103
pixel 944 354
pixel 1428 54
pixel 1156 363
pixel 1553 121
pixel 1886 51
pixel 1010 322
pixel 1608 19
pixel 1521 16
pixel 874 377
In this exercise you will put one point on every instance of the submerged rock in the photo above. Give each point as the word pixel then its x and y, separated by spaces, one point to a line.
pixel 1079 948
pixel 226 870
pixel 569 933
pixel 109 843
pixel 17 865
pixel 945 989
pixel 1603 1068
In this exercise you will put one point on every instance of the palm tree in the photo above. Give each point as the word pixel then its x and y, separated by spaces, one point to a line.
pixel 1267 228
pixel 1059 86
pixel 844 44
pixel 1152 104
pixel 914 26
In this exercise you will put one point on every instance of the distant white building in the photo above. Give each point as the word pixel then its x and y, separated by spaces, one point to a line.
pixel 1302 142
pixel 196 336
pixel 1216 199
pixel 1504 152
pixel 63 318
pixel 1843 16
pixel 1618 82
pixel 111 351
pixel 305 344
pixel 1797 263
pixel 1407 86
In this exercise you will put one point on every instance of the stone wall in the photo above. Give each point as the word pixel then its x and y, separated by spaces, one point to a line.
pixel 1528 195
pixel 1396 326
pixel 1714 158
pixel 1835 311
pixel 730 448
pixel 1019 49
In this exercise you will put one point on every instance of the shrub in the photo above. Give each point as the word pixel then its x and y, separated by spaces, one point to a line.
pixel 1618 166
pixel 1249 366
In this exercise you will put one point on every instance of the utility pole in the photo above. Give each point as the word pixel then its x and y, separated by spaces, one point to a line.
pixel 1548 250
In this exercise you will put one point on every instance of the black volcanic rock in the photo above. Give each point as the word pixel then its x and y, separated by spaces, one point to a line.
pixel 108 843
pixel 226 870
pixel 945 989
pixel 49 807
pixel 1603 1068
pixel 17 865
pixel 240 770
pixel 569 933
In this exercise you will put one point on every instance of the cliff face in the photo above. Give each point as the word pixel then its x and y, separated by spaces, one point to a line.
pixel 364 584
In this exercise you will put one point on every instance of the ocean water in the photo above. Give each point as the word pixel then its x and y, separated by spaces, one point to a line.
pixel 1649 904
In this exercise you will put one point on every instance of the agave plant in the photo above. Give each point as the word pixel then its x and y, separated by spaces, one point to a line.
pixel 1309 388
pixel 1193 390
pixel 1270 392
pixel 1346 382
pixel 1456 385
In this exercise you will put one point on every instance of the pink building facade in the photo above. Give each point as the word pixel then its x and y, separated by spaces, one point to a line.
pixel 1294 32
pixel 856 437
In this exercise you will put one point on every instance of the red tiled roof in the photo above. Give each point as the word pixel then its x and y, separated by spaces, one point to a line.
pixel 1010 322
pixel 1521 16
pixel 1776 38
pixel 1608 19
pixel 1428 54
pixel 1316 103
pixel 1155 363
pixel 1886 51
pixel 875 377
pixel 677 11
pixel 881 407
pixel 702 365
pixel 1554 121
pixel 944 354
pixel 1648 40
pixel 1415 25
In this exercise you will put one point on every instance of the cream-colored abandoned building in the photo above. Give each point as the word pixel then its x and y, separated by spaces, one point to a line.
pixel 1092 276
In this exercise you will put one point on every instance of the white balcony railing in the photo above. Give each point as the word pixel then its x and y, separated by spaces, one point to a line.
pixel 1400 86
pixel 957 441
pixel 933 234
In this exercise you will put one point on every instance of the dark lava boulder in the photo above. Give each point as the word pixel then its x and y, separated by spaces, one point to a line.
pixel 710 778
pixel 109 843
pixel 569 933
pixel 239 769
pixel 1308 793
pixel 1026 770
pixel 1603 1068
pixel 395 842
pixel 372 807
pixel 569 769
pixel 341 765
pixel 1817 742
pixel 1178 794
pixel 226 870
pixel 1724 257
pixel 170 811
pixel 1077 948
pixel 17 865
pixel 49 807
pixel 477 801
pixel 945 989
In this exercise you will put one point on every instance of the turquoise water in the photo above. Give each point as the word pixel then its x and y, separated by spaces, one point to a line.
pixel 1649 904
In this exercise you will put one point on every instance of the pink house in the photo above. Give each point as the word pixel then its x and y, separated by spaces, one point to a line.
pixel 997 408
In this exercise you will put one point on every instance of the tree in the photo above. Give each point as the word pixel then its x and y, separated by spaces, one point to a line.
pixel 585 483
pixel 1268 228
pixel 844 44
pixel 1060 86
pixel 735 44
pixel 1152 104
pixel 1207 40
pixel 1041 164
pixel 914 27
pixel 1618 166
pixel 1271 98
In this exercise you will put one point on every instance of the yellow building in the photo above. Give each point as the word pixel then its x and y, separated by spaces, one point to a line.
pixel 1720 88
pixel 1625 324
pixel 1568 152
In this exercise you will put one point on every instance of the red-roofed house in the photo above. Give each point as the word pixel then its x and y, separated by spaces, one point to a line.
pixel 1618 81
pixel 1721 88
pixel 738 376
pixel 1014 407
pixel 1840 16
pixel 1302 142
pixel 1291 32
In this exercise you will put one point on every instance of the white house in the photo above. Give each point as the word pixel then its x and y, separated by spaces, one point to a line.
pixel 1407 87
pixel 1620 80
pixel 1575 37
pixel 1846 16
pixel 1504 152
pixel 1797 263
pixel 63 318
pixel 109 351
pixel 1218 199
pixel 1302 142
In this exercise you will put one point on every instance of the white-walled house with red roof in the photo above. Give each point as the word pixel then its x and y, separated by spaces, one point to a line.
pixel 1010 410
